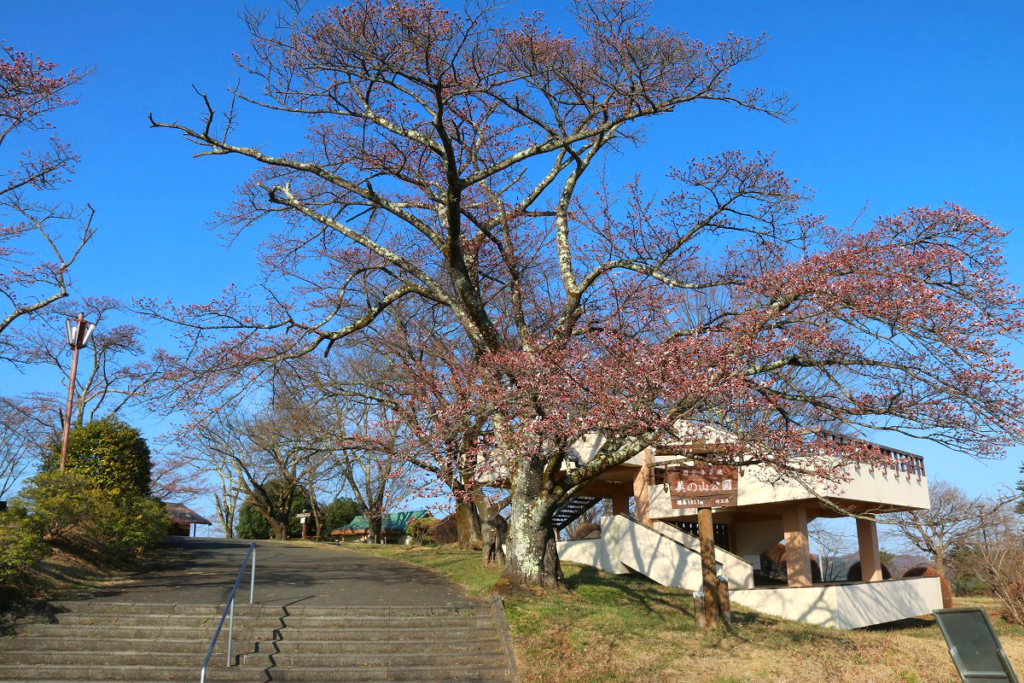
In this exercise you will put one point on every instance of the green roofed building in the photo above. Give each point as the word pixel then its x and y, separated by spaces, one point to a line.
pixel 393 527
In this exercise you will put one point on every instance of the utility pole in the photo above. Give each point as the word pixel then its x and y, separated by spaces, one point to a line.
pixel 78 333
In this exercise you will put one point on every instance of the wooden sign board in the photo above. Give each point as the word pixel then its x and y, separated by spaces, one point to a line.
pixel 702 486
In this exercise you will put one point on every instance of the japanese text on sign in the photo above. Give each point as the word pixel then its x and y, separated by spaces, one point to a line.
pixel 699 486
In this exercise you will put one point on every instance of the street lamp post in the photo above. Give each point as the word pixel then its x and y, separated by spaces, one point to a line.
pixel 78 332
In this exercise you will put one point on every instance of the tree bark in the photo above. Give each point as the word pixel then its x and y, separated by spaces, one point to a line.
pixel 226 513
pixel 375 523
pixel 531 553
pixel 280 530
pixel 494 533
pixel 467 524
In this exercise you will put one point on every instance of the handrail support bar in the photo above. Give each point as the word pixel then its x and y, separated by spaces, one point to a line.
pixel 231 629
pixel 229 609
pixel 252 580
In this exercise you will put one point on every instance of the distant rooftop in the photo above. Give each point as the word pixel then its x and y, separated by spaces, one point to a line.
pixel 395 522
pixel 180 514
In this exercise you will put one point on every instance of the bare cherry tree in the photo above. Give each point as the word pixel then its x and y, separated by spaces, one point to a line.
pixel 40 237
pixel 175 478
pixel 266 451
pixel 449 158
pixel 357 413
pixel 25 429
pixel 115 370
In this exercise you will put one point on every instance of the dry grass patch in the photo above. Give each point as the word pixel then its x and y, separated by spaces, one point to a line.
pixel 607 629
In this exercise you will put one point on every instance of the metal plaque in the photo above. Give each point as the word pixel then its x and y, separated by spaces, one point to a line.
pixel 974 646
pixel 702 486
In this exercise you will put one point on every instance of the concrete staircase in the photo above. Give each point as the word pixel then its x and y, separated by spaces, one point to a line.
pixel 144 643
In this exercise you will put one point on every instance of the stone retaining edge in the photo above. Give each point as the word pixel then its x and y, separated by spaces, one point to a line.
pixel 505 633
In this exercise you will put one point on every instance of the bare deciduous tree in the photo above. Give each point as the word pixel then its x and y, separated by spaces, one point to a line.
pixel 954 519
pixel 113 371
pixel 447 159
pixel 25 429
pixel 830 542
pixel 40 238
pixel 261 451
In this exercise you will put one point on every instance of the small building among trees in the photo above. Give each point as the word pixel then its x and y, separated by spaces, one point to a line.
pixel 393 527
pixel 183 519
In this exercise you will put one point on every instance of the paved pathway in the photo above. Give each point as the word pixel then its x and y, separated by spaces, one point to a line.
pixel 202 571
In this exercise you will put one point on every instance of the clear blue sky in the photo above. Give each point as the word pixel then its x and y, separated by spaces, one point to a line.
pixel 900 103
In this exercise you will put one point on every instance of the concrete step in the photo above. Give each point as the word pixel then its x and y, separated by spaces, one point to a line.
pixel 297 621
pixel 419 674
pixel 71 644
pixel 476 641
pixel 373 660
pixel 113 657
pixel 96 607
pixel 136 674
pixel 171 660
pixel 139 632
pixel 243 608
pixel 480 642
pixel 338 635
pixel 113 633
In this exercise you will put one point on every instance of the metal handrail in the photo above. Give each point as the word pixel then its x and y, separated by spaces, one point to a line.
pixel 231 607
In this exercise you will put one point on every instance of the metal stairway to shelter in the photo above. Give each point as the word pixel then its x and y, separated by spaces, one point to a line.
pixel 571 510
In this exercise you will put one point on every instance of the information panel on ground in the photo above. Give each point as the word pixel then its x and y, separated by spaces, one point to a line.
pixel 974 646
pixel 701 486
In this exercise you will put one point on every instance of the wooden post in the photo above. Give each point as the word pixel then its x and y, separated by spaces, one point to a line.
pixel 723 601
pixel 706 532
pixel 698 609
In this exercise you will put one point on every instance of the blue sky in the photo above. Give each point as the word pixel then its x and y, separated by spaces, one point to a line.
pixel 900 104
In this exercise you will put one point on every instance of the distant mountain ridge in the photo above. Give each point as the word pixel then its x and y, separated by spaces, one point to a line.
pixel 898 565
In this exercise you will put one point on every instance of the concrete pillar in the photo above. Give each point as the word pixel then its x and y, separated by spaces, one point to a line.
pixel 798 554
pixel 641 490
pixel 620 502
pixel 867 544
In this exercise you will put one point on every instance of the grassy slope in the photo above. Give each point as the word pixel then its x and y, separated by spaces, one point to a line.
pixel 63 576
pixel 624 628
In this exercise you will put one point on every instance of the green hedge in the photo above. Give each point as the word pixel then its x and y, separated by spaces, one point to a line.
pixel 21 546
pixel 111 453
pixel 71 510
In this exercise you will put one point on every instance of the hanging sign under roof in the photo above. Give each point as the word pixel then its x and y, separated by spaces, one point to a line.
pixel 702 485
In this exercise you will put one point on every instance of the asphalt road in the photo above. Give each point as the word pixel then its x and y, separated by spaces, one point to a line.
pixel 202 571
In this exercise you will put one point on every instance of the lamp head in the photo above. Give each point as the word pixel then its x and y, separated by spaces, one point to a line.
pixel 78 332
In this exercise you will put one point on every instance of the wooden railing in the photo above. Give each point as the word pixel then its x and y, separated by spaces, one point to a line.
pixel 887 458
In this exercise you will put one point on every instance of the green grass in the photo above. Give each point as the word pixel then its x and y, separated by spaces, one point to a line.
pixel 606 629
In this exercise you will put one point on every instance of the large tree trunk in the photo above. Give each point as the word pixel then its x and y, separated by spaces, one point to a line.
pixel 226 513
pixel 467 524
pixel 532 556
pixel 280 530
pixel 495 530
pixel 375 524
